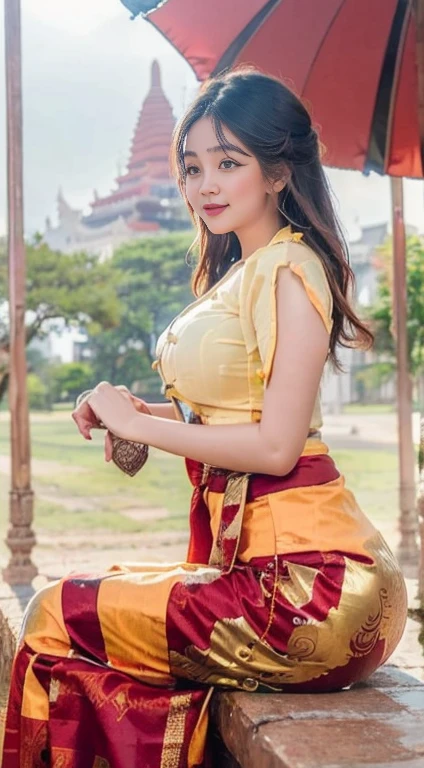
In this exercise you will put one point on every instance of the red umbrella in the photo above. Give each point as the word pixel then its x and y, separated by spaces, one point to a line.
pixel 354 61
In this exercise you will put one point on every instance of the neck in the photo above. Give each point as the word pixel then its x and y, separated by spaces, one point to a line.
pixel 258 235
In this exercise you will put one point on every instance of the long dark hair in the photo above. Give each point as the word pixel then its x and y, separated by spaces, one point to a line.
pixel 274 125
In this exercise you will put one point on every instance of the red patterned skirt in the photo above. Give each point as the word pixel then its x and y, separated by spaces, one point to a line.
pixel 116 670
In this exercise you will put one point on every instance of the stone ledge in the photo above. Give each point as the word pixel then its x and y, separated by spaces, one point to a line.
pixel 13 601
pixel 378 724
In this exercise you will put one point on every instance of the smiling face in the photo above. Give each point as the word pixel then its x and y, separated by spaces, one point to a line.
pixel 225 185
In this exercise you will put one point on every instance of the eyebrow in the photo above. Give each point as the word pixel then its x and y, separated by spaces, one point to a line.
pixel 224 148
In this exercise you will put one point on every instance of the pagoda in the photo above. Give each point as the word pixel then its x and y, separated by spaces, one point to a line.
pixel 147 179
pixel 146 199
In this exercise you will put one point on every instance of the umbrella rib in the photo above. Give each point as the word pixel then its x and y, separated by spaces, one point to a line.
pixel 244 36
pixel 380 133
pixel 419 23
pixel 322 41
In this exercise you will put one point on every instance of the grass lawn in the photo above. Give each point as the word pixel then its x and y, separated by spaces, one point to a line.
pixel 79 492
pixel 78 473
pixel 370 409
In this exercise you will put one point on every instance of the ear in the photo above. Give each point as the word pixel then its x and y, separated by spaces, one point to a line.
pixel 275 187
pixel 282 180
pixel 279 185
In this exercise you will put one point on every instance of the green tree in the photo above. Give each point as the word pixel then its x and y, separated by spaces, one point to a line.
pixel 381 313
pixel 154 285
pixel 76 288
pixel 68 380
pixel 37 393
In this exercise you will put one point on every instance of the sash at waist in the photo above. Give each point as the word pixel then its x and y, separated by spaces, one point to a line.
pixel 309 470
pixel 239 488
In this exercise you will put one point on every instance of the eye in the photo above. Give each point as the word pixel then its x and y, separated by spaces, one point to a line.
pixel 191 170
pixel 228 165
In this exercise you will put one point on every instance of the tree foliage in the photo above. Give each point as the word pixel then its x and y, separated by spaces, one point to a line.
pixel 38 399
pixel 382 311
pixel 154 285
pixel 76 288
pixel 68 380
pixel 123 304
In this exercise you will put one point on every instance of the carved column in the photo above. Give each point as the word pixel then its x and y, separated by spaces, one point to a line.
pixel 20 538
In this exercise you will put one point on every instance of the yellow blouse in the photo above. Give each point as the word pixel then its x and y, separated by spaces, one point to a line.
pixel 216 355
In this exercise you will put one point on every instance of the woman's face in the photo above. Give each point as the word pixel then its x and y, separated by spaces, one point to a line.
pixel 226 188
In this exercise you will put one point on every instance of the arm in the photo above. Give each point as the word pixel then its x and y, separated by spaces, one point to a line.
pixel 87 419
pixel 162 410
pixel 274 445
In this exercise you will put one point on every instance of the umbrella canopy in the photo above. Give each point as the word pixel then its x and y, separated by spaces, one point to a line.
pixel 358 65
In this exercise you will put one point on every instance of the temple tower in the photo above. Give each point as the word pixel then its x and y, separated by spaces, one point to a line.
pixel 147 175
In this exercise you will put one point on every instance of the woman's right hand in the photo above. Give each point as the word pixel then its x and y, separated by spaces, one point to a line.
pixel 140 406
pixel 85 419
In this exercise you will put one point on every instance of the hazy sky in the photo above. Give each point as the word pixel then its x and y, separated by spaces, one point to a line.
pixel 86 71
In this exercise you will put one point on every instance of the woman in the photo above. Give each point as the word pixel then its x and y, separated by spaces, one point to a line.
pixel 287 585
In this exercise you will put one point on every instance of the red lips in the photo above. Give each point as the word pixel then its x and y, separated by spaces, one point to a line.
pixel 214 210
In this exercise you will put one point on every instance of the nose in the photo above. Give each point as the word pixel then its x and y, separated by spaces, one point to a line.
pixel 209 185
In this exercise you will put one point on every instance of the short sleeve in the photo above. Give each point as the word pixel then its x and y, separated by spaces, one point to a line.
pixel 258 300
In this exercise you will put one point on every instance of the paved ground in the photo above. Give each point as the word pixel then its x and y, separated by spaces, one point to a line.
pixel 368 429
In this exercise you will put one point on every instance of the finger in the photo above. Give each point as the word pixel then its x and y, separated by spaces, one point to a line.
pixel 140 405
pixel 100 404
pixel 105 394
pixel 83 426
pixel 137 402
pixel 125 393
pixel 85 412
pixel 108 446
pixel 104 403
pixel 104 386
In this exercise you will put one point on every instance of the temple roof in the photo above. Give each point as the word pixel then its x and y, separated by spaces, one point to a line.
pixel 149 152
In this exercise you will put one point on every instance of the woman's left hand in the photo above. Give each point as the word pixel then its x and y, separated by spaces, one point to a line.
pixel 114 410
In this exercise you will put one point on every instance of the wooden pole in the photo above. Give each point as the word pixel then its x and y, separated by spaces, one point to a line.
pixel 418 10
pixel 408 522
pixel 421 513
pixel 20 538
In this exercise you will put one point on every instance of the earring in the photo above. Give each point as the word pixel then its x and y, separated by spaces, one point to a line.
pixel 294 223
